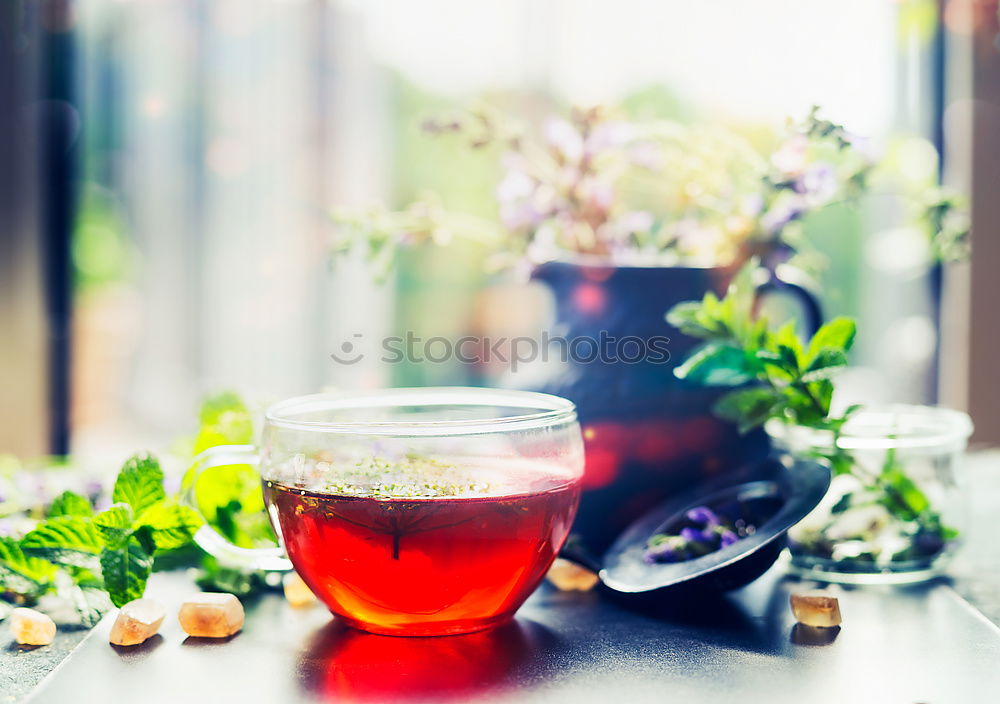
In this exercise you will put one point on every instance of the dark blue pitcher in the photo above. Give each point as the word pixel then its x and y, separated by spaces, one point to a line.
pixel 648 434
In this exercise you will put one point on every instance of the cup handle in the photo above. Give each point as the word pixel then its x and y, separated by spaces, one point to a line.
pixel 785 280
pixel 211 540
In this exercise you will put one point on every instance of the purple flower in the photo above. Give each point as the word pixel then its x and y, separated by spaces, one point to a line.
pixel 728 538
pixel 517 195
pixel 669 549
pixel 819 183
pixel 693 535
pixel 778 217
pixel 703 516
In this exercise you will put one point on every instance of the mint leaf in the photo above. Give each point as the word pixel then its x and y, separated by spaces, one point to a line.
pixel 22 574
pixel 65 540
pixel 785 341
pixel 691 319
pixel 224 420
pixel 824 365
pixel 91 603
pixel 716 364
pixel 748 408
pixel 126 569
pixel 838 334
pixel 140 483
pixel 114 524
pixel 86 596
pixel 172 525
pixel 214 407
pixel 216 578
pixel 70 504
pixel 85 577
pixel 902 495
pixel 230 497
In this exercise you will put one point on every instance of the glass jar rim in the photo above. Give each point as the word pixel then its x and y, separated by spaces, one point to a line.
pixel 539 410
pixel 896 426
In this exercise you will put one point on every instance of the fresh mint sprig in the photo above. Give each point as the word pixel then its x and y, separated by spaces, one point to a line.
pixel 790 380
pixel 779 376
pixel 81 555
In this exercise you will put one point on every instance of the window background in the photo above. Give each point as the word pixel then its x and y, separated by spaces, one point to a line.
pixel 218 134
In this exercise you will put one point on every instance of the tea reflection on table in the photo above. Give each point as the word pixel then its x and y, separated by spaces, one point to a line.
pixel 341 663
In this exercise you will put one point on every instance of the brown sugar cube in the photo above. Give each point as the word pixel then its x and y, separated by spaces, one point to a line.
pixel 137 622
pixel 296 592
pixel 816 609
pixel 570 577
pixel 211 615
pixel 31 627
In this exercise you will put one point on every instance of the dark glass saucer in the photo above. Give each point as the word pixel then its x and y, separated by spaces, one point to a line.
pixel 783 489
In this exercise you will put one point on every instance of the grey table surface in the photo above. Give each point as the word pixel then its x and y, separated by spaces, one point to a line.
pixel 910 645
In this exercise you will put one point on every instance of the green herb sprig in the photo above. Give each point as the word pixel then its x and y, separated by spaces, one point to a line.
pixel 92 558
pixel 781 377
pixel 790 380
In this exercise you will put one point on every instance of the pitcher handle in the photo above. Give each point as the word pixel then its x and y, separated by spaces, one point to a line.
pixel 790 281
pixel 211 540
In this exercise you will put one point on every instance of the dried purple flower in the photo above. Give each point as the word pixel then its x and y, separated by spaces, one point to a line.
pixel 693 535
pixel 665 548
pixel 703 516
pixel 727 538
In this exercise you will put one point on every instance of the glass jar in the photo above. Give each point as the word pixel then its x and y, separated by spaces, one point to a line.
pixel 894 512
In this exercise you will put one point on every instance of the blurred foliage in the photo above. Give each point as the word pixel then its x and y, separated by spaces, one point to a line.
pixel 102 254
pixel 917 19
pixel 433 284
pixel 460 170
pixel 230 496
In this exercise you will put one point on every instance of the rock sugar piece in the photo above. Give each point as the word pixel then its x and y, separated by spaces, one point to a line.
pixel 31 627
pixel 296 591
pixel 816 609
pixel 137 622
pixel 570 577
pixel 210 615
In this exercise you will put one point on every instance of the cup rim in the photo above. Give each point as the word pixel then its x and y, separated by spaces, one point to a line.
pixel 540 410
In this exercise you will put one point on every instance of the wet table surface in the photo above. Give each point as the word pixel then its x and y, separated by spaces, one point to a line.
pixel 898 644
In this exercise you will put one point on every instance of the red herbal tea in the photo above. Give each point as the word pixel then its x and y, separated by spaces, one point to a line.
pixel 417 548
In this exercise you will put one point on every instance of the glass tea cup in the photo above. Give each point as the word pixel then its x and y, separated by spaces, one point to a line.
pixel 413 512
